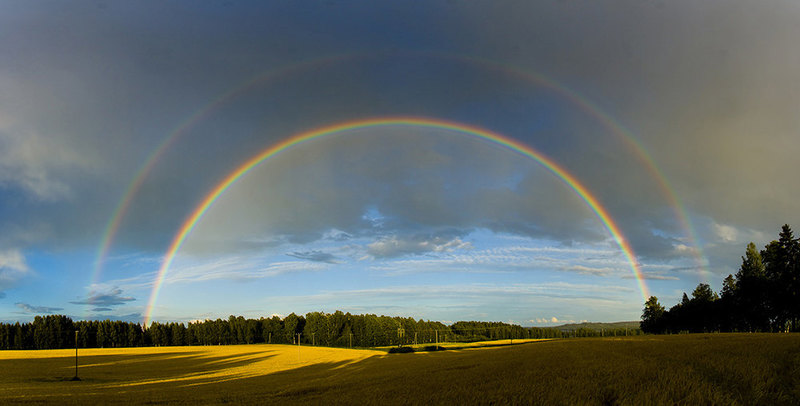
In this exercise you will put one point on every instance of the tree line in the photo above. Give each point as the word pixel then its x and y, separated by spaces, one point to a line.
pixel 764 295
pixel 335 329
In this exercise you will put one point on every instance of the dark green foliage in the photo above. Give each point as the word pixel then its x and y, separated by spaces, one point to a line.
pixel 652 316
pixel 764 295
pixel 336 329
pixel 400 350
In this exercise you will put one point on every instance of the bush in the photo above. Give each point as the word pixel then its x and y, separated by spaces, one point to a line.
pixel 400 350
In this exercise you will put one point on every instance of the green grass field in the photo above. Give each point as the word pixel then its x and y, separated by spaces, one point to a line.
pixel 684 369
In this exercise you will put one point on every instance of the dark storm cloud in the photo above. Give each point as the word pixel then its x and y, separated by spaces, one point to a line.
pixel 83 81
pixel 710 88
pixel 87 93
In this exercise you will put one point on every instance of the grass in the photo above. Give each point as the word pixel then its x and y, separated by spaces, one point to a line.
pixel 685 369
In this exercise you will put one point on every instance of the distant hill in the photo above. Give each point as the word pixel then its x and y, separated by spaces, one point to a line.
pixel 599 326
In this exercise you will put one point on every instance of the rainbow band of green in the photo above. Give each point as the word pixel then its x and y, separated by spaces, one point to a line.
pixel 525 150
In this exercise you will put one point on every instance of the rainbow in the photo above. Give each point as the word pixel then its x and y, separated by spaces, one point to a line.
pixel 577 99
pixel 192 220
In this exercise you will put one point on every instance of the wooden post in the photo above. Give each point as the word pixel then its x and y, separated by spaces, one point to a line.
pixel 75 378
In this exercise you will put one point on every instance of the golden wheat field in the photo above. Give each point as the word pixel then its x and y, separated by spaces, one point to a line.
pixel 683 369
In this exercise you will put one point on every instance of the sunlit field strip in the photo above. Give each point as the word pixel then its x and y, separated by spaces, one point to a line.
pixel 474 344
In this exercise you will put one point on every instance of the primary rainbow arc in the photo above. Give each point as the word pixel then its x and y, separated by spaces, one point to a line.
pixel 468 130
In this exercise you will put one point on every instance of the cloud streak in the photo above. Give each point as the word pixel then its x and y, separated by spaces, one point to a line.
pixel 108 299
pixel 30 309
pixel 396 246
pixel 315 256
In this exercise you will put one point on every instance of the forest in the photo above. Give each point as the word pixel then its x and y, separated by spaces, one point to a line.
pixel 763 296
pixel 335 329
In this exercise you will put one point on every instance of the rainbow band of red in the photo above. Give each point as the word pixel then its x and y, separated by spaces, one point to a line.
pixel 523 149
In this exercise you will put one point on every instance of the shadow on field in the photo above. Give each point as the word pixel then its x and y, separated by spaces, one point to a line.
pixel 379 378
pixel 129 369
pixel 309 382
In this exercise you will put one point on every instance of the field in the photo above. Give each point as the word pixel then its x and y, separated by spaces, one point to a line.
pixel 683 369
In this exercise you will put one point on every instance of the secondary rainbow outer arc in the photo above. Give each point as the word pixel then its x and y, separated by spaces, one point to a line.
pixel 592 109
pixel 300 138
pixel 138 179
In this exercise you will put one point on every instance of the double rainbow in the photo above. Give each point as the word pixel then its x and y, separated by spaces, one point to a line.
pixel 273 75
pixel 342 128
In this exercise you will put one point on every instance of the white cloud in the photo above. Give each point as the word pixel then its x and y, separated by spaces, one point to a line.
pixel 395 246
pixel 584 260
pixel 13 260
pixel 726 233
pixel 237 268
pixel 550 320
pixel 654 276
pixel 586 270
pixel 13 267
pixel 560 290
pixel 37 164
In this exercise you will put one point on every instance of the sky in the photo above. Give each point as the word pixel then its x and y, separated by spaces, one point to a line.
pixel 528 162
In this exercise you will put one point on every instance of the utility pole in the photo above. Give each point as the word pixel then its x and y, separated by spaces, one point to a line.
pixel 75 378
pixel 298 347
pixel 401 332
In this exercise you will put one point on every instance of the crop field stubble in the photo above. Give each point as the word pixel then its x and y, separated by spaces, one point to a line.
pixel 683 369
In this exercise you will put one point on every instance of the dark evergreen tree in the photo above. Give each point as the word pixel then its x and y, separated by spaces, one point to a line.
pixel 752 298
pixel 652 316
